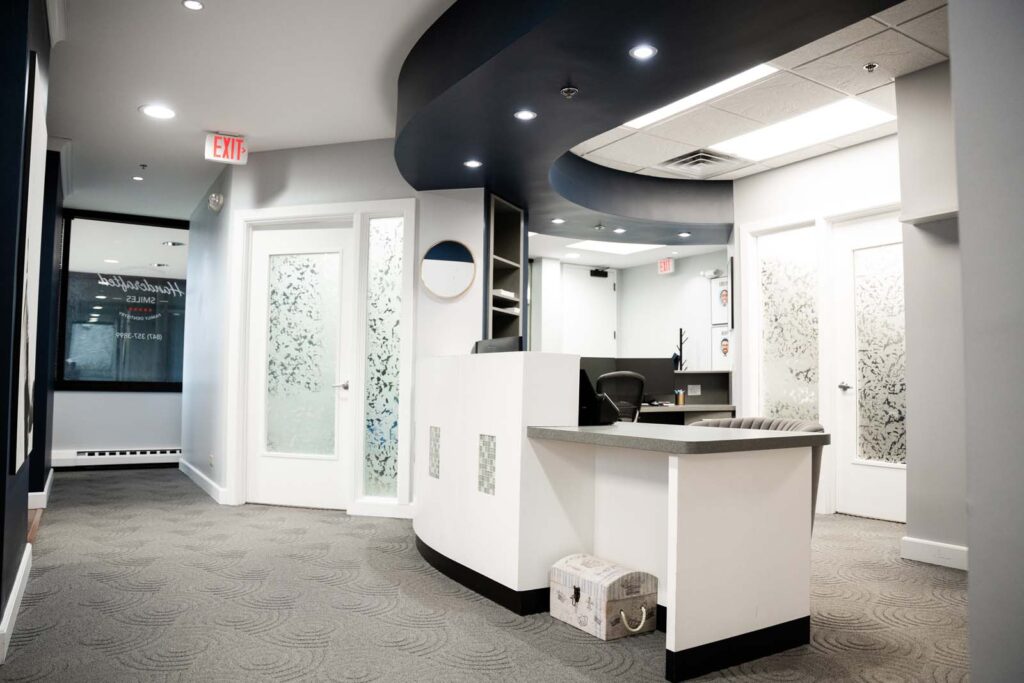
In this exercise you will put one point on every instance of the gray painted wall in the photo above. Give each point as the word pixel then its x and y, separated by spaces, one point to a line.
pixel 987 43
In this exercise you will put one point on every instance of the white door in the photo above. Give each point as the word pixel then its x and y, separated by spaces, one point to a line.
pixel 590 312
pixel 301 339
pixel 870 439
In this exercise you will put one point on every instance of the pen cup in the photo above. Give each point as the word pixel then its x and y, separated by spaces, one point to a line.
pixel 680 399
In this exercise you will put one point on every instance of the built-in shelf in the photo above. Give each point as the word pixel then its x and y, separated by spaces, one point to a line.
pixel 505 297
pixel 502 311
pixel 505 286
pixel 501 263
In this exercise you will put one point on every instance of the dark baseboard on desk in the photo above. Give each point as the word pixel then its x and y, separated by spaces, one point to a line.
pixel 703 659
pixel 520 602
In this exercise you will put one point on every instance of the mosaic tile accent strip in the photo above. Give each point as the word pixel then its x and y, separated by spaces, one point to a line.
pixel 485 473
pixel 435 453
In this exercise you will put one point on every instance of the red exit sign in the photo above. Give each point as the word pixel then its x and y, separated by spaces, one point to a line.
pixel 227 149
pixel 666 266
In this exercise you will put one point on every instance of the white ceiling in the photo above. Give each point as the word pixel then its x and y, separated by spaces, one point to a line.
pixel 135 248
pixel 285 74
pixel 549 246
pixel 903 39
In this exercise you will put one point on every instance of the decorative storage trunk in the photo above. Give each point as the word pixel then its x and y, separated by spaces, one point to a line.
pixel 594 594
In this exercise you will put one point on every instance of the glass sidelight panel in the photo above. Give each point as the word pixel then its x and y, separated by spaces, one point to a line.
pixel 881 354
pixel 789 323
pixel 383 328
pixel 303 310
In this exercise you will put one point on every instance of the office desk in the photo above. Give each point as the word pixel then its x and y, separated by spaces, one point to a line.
pixel 685 414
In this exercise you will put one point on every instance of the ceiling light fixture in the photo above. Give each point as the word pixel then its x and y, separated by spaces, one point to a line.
pixel 557 221
pixel 619 231
pixel 684 234
pixel 157 111
pixel 525 115
pixel 572 255
pixel 137 178
pixel 643 52
pixel 97 308
pixel 101 296
pixel 472 163
pixel 709 93
pixel 192 5
pixel 110 260
pixel 811 128
pixel 170 243
pixel 619 248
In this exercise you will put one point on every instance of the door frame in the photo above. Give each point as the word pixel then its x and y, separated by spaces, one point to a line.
pixel 748 402
pixel 235 377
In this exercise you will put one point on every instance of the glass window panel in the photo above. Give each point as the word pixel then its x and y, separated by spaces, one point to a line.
pixel 303 312
pixel 789 323
pixel 383 327
pixel 881 354
pixel 125 314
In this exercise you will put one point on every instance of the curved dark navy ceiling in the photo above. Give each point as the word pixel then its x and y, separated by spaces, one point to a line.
pixel 485 59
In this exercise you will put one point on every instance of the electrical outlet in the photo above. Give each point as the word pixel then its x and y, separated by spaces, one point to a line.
pixel 211 461
pixel 693 390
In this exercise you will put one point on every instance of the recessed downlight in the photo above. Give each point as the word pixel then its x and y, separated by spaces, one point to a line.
pixel 572 255
pixel 110 260
pixel 97 308
pixel 101 296
pixel 137 178
pixel 557 221
pixel 157 111
pixel 684 234
pixel 619 231
pixel 525 115
pixel 194 5
pixel 171 243
pixel 643 52
pixel 472 163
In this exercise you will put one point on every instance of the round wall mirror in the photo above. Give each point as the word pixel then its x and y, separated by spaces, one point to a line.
pixel 448 269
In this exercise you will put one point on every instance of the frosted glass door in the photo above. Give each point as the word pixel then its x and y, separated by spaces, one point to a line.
pixel 299 415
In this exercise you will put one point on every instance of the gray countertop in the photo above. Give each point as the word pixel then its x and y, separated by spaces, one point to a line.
pixel 679 439
pixel 689 408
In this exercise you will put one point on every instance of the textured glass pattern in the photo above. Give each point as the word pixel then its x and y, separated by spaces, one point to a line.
pixel 789 323
pixel 435 452
pixel 383 323
pixel 881 354
pixel 486 464
pixel 302 338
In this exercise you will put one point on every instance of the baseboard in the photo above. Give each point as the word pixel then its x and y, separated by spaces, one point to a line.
pixel 14 601
pixel 934 552
pixel 368 507
pixel 39 499
pixel 212 488
pixel 746 647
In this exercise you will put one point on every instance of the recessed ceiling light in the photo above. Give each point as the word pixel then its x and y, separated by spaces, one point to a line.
pixel 110 260
pixel 472 163
pixel 97 308
pixel 620 248
pixel 674 253
pixel 619 231
pixel 192 4
pixel 159 265
pixel 684 234
pixel 701 96
pixel 557 221
pixel 819 125
pixel 137 178
pixel 101 296
pixel 643 52
pixel 525 115
pixel 170 243
pixel 572 255
pixel 157 111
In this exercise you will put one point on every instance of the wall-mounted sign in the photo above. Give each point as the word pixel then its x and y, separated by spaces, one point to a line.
pixel 227 149
pixel 666 266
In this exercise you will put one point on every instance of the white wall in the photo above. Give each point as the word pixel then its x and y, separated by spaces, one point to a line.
pixel 361 171
pixel 653 307
pixel 84 420
pixel 987 43
pixel 546 306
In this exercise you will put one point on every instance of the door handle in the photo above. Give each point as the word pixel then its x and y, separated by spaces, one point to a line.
pixel 844 386
pixel 343 385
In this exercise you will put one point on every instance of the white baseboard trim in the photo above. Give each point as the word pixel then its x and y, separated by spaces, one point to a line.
pixel 212 488
pixel 39 499
pixel 934 552
pixel 370 507
pixel 14 601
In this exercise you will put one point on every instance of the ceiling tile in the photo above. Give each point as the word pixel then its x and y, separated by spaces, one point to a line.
pixel 905 11
pixel 883 98
pixel 778 98
pixel 852 139
pixel 643 150
pixel 742 172
pixel 658 173
pixel 799 155
pixel 599 141
pixel 612 163
pixel 895 54
pixel 932 29
pixel 703 126
pixel 830 43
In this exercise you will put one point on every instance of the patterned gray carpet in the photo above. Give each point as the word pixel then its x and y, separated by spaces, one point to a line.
pixel 139 576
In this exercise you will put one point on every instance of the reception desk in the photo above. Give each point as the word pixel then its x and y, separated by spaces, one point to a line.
pixel 506 485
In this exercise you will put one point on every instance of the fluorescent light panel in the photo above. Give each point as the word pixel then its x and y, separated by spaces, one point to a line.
pixel 709 93
pixel 814 127
pixel 620 248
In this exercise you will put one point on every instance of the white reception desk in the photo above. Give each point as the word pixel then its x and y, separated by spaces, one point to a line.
pixel 506 485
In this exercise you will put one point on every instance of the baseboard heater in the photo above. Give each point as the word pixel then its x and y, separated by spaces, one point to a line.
pixel 144 451
pixel 115 456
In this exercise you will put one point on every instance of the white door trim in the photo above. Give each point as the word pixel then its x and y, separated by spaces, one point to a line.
pixel 234 373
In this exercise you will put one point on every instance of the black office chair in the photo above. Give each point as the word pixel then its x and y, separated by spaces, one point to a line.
pixel 626 389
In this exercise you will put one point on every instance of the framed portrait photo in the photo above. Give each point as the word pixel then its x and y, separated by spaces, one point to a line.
pixel 721 301
pixel 722 351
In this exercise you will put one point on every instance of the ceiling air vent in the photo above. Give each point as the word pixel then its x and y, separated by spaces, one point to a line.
pixel 702 163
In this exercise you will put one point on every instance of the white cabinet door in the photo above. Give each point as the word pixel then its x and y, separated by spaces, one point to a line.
pixel 590 313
